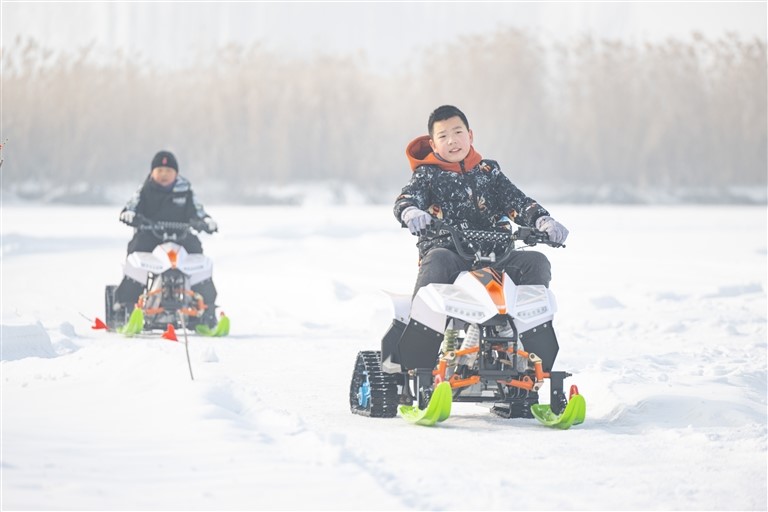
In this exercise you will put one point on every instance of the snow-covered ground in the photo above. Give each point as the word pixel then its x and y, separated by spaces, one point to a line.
pixel 662 321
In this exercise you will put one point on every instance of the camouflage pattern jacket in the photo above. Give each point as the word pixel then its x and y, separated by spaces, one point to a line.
pixel 471 194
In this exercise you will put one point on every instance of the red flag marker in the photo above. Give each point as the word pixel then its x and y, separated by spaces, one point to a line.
pixel 170 333
pixel 98 324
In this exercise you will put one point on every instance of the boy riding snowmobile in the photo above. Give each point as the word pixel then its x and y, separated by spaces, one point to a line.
pixel 166 271
pixel 480 307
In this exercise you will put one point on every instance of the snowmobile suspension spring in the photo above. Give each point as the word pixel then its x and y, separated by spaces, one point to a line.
pixel 449 341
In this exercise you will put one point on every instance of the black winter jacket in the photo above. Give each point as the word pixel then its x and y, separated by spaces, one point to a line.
pixel 175 204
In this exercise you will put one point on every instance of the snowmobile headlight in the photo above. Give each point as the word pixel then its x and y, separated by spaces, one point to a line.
pixel 466 313
pixel 530 313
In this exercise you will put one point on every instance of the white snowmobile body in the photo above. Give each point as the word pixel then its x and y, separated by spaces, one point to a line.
pixel 476 298
pixel 139 265
pixel 467 299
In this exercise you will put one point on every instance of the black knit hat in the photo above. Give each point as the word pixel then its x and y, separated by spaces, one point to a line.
pixel 165 159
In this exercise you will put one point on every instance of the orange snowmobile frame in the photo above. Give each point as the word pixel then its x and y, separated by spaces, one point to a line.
pixel 195 312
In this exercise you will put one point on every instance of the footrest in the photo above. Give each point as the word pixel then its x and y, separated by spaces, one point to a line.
pixel 438 409
pixel 134 325
pixel 222 328
pixel 574 414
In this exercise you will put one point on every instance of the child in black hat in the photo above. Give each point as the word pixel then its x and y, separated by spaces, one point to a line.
pixel 165 196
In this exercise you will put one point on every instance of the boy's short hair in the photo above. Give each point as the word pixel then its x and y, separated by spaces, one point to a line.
pixel 445 112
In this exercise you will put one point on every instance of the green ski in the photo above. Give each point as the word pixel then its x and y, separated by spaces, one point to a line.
pixel 438 409
pixel 222 328
pixel 574 414
pixel 135 324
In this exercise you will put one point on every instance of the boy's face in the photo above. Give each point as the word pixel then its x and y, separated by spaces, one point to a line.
pixel 164 176
pixel 451 140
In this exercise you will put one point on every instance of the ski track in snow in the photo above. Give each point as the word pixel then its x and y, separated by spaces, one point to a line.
pixel 662 325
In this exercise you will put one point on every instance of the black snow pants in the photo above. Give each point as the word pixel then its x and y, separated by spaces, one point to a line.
pixel 442 265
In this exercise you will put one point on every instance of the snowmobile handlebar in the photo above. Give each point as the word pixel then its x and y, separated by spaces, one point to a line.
pixel 166 230
pixel 470 243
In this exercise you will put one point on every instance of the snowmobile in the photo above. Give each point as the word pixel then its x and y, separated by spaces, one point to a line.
pixel 169 273
pixel 481 339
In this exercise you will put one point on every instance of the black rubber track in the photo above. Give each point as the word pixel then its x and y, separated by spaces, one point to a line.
pixel 384 397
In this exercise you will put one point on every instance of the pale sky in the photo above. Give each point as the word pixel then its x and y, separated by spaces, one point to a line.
pixel 386 32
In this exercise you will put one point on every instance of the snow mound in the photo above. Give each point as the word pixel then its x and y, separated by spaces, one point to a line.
pixel 20 339
pixel 678 411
